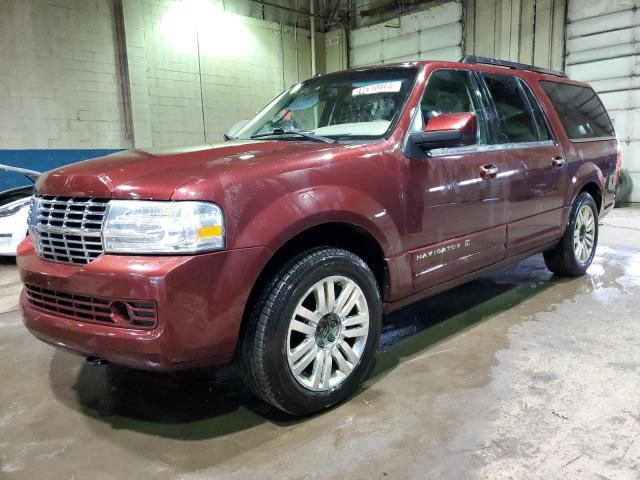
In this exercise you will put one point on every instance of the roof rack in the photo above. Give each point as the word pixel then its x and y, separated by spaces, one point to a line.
pixel 474 59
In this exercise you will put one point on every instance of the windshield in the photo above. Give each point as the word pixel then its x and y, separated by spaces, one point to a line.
pixel 345 105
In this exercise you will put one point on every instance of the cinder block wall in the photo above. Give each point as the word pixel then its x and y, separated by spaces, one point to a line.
pixel 80 79
pixel 59 84
pixel 241 66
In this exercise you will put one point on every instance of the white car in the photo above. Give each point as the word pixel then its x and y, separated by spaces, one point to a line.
pixel 14 209
pixel 13 225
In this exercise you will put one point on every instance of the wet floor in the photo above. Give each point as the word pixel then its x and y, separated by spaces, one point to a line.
pixel 516 375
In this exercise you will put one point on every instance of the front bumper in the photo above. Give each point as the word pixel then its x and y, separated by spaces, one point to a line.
pixel 200 302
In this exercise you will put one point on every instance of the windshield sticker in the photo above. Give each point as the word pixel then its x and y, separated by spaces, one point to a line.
pixel 383 87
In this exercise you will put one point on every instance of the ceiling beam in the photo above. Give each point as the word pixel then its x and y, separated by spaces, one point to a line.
pixel 289 9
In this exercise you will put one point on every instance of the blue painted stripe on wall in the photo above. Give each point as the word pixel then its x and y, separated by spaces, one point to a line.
pixel 41 161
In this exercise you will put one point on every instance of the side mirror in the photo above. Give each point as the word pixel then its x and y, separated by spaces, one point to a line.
pixel 447 130
pixel 236 127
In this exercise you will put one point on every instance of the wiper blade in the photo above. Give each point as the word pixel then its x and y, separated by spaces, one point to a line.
pixel 307 135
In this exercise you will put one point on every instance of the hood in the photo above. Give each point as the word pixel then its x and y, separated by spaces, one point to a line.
pixel 156 174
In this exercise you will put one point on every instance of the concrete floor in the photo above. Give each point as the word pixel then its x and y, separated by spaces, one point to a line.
pixel 517 375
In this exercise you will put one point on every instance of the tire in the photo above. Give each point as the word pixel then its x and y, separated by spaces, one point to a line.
pixel 623 195
pixel 573 255
pixel 279 340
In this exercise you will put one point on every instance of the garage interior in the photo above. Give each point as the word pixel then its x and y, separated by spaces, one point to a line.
pixel 519 374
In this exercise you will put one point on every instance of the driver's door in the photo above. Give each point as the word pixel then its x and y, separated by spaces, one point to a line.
pixel 460 194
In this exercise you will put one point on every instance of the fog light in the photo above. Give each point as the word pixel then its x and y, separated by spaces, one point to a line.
pixel 120 313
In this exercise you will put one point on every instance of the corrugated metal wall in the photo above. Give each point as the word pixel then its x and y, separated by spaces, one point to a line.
pixel 526 31
pixel 603 48
pixel 433 33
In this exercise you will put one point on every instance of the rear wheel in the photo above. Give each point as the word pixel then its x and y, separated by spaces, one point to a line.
pixel 312 334
pixel 574 254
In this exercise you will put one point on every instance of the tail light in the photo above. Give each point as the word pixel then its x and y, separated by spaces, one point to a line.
pixel 619 160
pixel 618 163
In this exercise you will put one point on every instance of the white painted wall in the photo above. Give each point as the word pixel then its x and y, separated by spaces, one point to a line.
pixel 335 50
pixel 59 85
pixel 433 33
pixel 603 48
pixel 243 63
pixel 61 82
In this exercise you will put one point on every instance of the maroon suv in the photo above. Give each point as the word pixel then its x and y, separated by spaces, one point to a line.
pixel 349 195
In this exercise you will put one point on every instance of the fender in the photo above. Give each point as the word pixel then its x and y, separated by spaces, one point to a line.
pixel 297 211
pixel 588 172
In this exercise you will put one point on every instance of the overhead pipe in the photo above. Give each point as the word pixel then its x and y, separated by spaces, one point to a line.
pixel 312 11
pixel 389 7
pixel 123 67
pixel 380 10
pixel 347 43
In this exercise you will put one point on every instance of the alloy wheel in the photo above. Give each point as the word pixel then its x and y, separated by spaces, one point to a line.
pixel 584 234
pixel 327 333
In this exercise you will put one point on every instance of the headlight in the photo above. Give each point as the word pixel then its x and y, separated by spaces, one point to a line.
pixel 140 226
pixel 14 207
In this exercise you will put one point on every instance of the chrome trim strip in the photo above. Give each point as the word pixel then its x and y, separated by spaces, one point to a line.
pixel 499 147
pixel 85 232
pixel 594 139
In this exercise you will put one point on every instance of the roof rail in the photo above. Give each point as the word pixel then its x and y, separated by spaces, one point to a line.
pixel 474 59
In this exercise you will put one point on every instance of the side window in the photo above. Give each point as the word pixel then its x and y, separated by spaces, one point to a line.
pixel 516 122
pixel 452 91
pixel 580 110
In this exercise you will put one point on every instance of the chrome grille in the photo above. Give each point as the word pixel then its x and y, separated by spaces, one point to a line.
pixel 67 229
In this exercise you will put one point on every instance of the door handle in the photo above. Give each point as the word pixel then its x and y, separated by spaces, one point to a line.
pixel 558 162
pixel 489 171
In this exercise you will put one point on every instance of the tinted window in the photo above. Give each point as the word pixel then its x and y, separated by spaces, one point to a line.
pixel 516 122
pixel 452 91
pixel 580 110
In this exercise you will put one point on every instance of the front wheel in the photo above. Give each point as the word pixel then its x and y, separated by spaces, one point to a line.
pixel 574 254
pixel 311 338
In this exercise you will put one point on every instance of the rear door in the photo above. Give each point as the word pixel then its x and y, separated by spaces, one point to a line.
pixel 536 164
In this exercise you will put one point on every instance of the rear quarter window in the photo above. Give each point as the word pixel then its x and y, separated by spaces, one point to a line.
pixel 580 110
